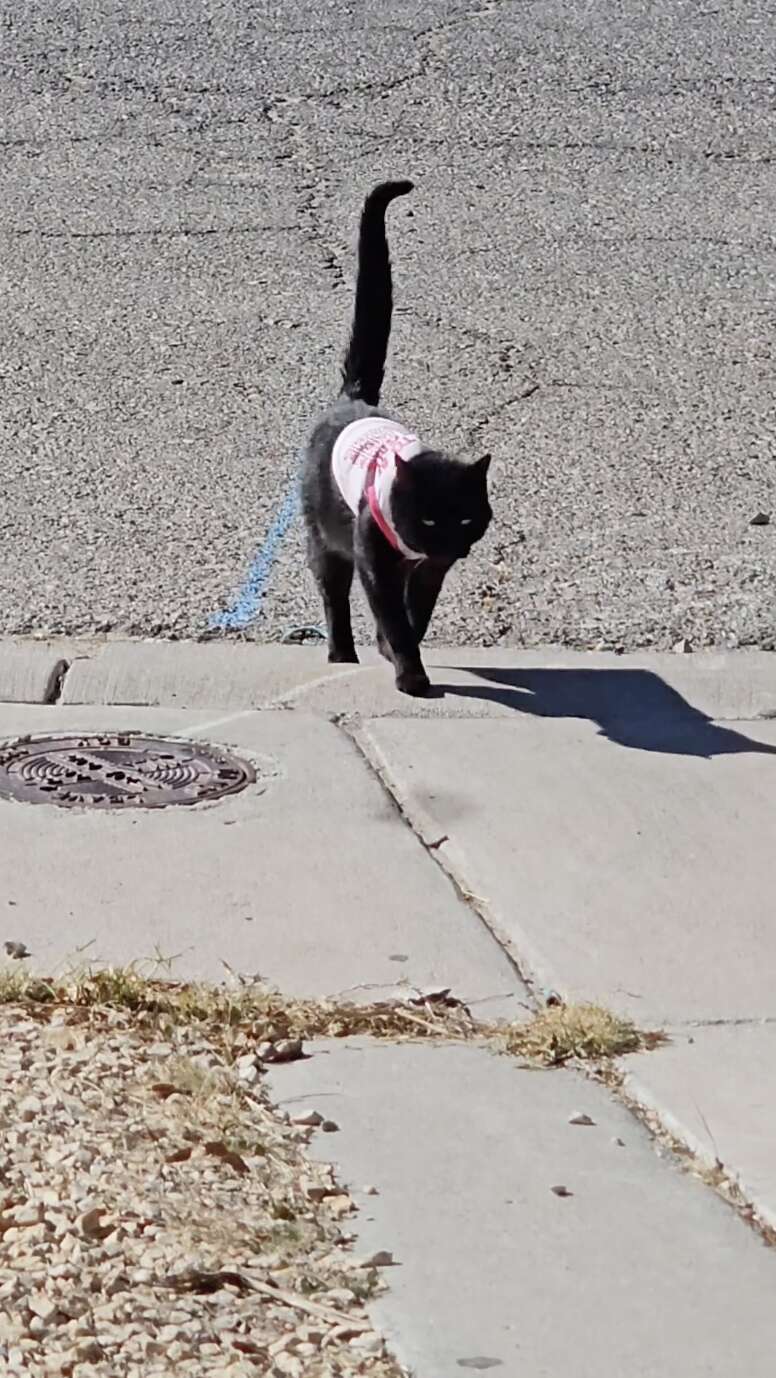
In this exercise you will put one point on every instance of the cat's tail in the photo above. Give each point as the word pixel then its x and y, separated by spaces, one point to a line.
pixel 364 366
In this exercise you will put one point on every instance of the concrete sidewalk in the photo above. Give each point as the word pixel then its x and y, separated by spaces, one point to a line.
pixel 601 825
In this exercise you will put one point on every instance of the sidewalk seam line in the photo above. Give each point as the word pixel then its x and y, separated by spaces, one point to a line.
pixel 352 728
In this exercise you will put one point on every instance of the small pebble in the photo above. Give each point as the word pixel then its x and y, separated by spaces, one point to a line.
pixel 307 1117
pixel 287 1050
pixel 98 1184
pixel 380 1259
pixel 18 951
pixel 368 1343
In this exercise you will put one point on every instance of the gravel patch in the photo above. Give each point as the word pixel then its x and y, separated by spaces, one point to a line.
pixel 157 1215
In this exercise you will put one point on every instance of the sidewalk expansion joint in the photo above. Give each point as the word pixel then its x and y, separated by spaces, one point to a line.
pixel 351 727
pixel 57 682
pixel 707 1168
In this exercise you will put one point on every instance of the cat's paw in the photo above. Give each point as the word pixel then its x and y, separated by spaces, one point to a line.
pixel 342 657
pixel 415 682
pixel 383 647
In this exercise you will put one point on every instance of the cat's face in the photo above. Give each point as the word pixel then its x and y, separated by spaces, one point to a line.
pixel 439 506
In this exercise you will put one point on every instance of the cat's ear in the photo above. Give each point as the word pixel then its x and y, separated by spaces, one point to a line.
pixel 482 465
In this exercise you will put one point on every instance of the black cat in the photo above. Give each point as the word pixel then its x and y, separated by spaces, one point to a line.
pixel 373 496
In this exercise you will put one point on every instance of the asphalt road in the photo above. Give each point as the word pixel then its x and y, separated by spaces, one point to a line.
pixel 585 277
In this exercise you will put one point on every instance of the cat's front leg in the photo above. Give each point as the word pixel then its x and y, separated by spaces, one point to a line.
pixel 422 588
pixel 334 575
pixel 382 574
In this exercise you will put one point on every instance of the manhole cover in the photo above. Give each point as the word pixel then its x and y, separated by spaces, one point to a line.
pixel 125 770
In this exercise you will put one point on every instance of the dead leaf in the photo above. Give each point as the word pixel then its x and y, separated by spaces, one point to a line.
pixel 218 1149
pixel 244 1345
pixel 203 1283
pixel 181 1155
pixel 164 1089
pixel 579 1117
pixel 318 1191
pixel 561 1191
pixel 92 1226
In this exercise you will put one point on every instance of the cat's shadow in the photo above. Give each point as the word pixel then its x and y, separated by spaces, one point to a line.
pixel 633 708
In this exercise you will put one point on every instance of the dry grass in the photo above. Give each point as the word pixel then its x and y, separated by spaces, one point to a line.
pixel 552 1037
pixel 587 1033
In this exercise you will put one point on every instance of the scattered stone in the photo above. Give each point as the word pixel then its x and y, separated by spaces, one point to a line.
pixel 370 1191
pixel 368 1343
pixel 682 647
pixel 620 1143
pixel 319 1191
pixel 24 1215
pixel 92 1225
pixel 89 1352
pixel 381 1259
pixel 329 1127
pixel 308 1117
pixel 760 519
pixel 131 1202
pixel 341 1205
pixel 561 1191
pixel 288 1365
pixel 284 1050
pixel 42 1306
pixel 18 951
pixel 29 1108
pixel 339 1297
pixel 288 1050
pixel 579 1117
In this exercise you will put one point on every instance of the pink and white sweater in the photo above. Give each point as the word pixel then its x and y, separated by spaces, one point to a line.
pixel 363 462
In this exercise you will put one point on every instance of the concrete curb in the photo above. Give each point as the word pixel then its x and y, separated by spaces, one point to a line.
pixel 31 672
pixel 472 683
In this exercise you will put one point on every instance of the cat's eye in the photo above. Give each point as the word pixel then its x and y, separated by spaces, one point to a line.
pixel 428 521
pixel 466 521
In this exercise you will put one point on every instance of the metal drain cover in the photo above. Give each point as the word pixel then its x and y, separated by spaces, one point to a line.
pixel 118 771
